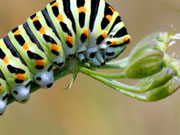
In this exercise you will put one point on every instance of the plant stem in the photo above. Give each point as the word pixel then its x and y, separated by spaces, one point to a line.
pixel 114 84
pixel 89 71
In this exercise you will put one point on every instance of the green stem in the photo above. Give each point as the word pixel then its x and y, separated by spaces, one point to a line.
pixel 89 71
pixel 117 64
pixel 130 91
pixel 113 83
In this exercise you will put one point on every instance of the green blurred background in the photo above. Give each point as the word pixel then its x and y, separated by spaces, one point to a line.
pixel 89 107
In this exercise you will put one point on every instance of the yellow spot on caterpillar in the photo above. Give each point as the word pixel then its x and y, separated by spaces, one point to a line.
pixel 39 62
pixel 6 60
pixel 127 38
pixel 114 42
pixel 36 18
pixel 20 77
pixel 104 35
pixel 17 32
pixel 111 8
pixel 42 30
pixel 55 4
pixel 25 46
pixel 60 18
pixel 69 39
pixel 55 47
pixel 86 32
pixel 82 9
pixel 109 17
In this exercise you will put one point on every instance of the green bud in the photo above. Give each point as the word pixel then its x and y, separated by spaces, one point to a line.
pixel 146 63
pixel 173 63
pixel 151 41
pixel 163 41
pixel 147 58
pixel 158 41
pixel 156 80
pixel 161 92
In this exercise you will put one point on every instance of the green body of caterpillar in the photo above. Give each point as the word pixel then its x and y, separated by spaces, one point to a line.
pixel 89 30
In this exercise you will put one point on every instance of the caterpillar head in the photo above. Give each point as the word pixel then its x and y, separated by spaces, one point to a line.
pixel 45 79
pixel 117 42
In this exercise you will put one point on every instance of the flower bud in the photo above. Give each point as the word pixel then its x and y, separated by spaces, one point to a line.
pixel 161 92
pixel 145 63
pixel 156 80
pixel 147 58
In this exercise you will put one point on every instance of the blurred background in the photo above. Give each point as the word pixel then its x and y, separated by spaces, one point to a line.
pixel 89 107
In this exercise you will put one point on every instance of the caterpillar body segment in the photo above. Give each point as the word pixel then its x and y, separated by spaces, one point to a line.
pixel 44 34
pixel 15 72
pixel 81 14
pixel 89 30
pixel 36 60
pixel 61 16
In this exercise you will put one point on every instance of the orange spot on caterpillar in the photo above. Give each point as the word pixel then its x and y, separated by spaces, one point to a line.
pixel 36 18
pixel 86 32
pixel 1 89
pixel 109 17
pixel 111 8
pixel 82 9
pixel 42 30
pixel 25 46
pixel 104 35
pixel 114 42
pixel 20 76
pixel 17 32
pixel 39 62
pixel 69 39
pixel 54 47
pixel 60 18
pixel 55 4
pixel 6 60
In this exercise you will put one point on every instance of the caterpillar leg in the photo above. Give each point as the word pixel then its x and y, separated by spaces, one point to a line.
pixel 3 103
pixel 81 57
pixel 96 62
pixel 97 59
pixel 100 58
pixel 45 79
pixel 91 56
pixel 21 93
pixel 59 63
pixel 4 94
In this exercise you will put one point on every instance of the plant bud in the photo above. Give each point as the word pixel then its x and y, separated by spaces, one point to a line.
pixel 145 63
pixel 161 92
pixel 156 80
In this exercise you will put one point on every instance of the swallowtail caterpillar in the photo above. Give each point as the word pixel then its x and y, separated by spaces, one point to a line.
pixel 90 31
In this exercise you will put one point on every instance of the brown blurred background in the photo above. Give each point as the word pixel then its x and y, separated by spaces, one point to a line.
pixel 89 107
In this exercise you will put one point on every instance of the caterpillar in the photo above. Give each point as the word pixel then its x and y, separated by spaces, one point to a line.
pixel 88 30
